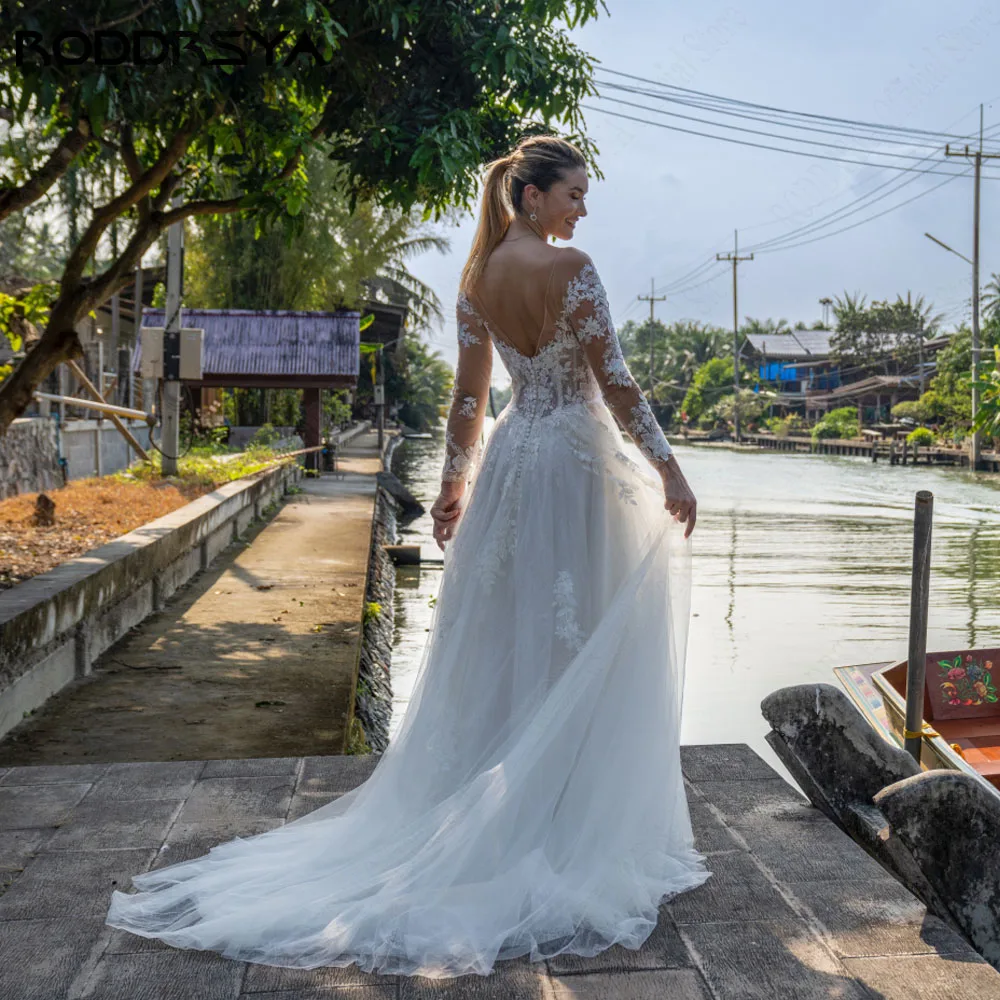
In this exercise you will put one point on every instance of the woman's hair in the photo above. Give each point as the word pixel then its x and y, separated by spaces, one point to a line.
pixel 540 160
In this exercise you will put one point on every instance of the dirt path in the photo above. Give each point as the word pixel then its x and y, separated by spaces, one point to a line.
pixel 254 658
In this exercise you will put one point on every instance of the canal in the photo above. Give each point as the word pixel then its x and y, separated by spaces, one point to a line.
pixel 801 564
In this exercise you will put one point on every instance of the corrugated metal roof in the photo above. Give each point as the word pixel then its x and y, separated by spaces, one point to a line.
pixel 272 342
pixel 800 344
pixel 806 343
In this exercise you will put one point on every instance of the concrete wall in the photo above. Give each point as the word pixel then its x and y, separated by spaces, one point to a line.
pixel 53 626
pixel 31 449
pixel 80 440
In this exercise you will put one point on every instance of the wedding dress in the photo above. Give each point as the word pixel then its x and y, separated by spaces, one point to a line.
pixel 532 801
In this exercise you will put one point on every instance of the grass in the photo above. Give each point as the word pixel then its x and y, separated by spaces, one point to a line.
pixel 206 467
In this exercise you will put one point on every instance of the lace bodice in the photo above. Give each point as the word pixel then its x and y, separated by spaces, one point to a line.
pixel 581 363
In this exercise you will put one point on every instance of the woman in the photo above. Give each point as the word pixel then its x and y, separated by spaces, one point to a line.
pixel 532 801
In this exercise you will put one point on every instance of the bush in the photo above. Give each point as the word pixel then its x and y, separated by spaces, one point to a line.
pixel 783 426
pixel 265 436
pixel 839 423
pixel 917 410
pixel 922 436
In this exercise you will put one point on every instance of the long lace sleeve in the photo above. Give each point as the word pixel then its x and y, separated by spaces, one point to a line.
pixel 587 310
pixel 470 396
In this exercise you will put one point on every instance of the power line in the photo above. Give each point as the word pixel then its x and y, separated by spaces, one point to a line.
pixel 899 129
pixel 863 136
pixel 759 145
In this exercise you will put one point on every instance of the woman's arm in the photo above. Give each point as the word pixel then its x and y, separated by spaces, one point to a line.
pixel 587 309
pixel 465 418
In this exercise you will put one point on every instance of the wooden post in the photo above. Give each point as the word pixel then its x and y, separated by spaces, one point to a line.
pixel 92 389
pixel 314 425
pixel 916 657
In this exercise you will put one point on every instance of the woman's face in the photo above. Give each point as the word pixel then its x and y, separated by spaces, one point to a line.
pixel 559 208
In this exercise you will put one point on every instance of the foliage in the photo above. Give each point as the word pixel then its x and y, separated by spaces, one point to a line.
pixel 870 336
pixel 921 436
pixel 16 310
pixel 991 298
pixel 329 256
pixel 788 424
pixel 988 417
pixel 839 423
pixel 336 408
pixel 422 382
pixel 712 381
pixel 265 436
pixel 917 410
pixel 203 470
pixel 410 99
pixel 749 404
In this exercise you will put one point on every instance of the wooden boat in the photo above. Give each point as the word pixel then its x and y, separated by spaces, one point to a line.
pixel 961 728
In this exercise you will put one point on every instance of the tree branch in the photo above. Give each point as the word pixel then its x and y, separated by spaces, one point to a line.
pixel 218 206
pixel 127 17
pixel 140 188
pixel 18 198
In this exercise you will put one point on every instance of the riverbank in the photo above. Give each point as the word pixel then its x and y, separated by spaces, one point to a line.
pixel 875 449
pixel 793 908
pixel 256 657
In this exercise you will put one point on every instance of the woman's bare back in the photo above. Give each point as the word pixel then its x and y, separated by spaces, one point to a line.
pixel 515 294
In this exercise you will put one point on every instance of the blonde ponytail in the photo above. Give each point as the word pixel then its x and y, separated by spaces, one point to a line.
pixel 494 219
pixel 540 160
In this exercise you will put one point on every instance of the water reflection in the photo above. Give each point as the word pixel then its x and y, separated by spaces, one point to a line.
pixel 801 563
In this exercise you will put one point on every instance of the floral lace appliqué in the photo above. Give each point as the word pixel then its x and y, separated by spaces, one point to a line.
pixel 564 601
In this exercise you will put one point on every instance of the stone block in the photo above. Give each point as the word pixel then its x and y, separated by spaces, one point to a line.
pixel 307 802
pixel 253 767
pixel 185 841
pixel 336 773
pixel 663 949
pixel 217 542
pixel 24 806
pixel 107 825
pixel 165 975
pixel 64 883
pixel 37 684
pixel 243 520
pixel 54 774
pixel 724 762
pixel 177 574
pixel 161 780
pixel 388 992
pixel 104 630
pixel 925 977
pixel 765 960
pixel 738 889
pixel 711 835
pixel 758 803
pixel 946 823
pixel 291 982
pixel 238 799
pixel 518 979
pixel 877 918
pixel 40 959
pixel 669 984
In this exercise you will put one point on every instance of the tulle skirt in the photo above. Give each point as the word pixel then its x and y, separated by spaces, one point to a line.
pixel 532 801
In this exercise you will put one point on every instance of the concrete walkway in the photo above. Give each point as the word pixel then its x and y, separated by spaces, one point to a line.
pixel 794 910
pixel 254 658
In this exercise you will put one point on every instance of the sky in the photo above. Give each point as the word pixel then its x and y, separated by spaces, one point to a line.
pixel 669 201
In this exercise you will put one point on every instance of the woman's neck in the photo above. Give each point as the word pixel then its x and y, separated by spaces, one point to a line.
pixel 521 228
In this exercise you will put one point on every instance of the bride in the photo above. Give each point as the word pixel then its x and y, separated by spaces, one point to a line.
pixel 532 801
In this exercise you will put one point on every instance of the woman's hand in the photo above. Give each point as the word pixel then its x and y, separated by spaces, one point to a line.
pixel 446 511
pixel 678 496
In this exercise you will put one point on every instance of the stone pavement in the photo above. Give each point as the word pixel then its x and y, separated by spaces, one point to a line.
pixel 270 632
pixel 794 909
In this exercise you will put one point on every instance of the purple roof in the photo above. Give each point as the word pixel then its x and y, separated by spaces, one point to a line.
pixel 272 342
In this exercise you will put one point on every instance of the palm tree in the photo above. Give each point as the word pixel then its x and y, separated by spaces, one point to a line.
pixel 991 296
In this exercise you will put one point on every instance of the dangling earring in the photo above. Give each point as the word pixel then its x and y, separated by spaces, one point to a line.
pixel 533 217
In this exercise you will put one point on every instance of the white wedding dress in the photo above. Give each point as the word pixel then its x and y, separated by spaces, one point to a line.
pixel 532 801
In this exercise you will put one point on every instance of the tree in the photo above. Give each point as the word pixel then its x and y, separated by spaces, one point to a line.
pixel 870 336
pixel 409 98
pixel 711 383
pixel 991 297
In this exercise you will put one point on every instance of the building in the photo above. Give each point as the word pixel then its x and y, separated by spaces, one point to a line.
pixel 800 366
pixel 272 349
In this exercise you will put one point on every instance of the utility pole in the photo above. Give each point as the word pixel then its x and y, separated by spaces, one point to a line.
pixel 651 299
pixel 978 156
pixel 171 417
pixel 736 260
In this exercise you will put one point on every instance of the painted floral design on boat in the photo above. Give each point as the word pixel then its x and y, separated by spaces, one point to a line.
pixel 966 680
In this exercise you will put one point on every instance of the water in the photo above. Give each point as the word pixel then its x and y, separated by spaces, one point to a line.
pixel 801 564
